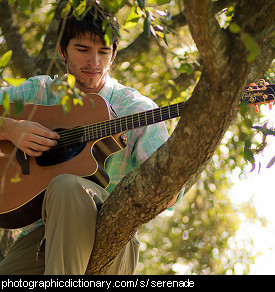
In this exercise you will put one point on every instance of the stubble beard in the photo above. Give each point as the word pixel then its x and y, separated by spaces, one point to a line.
pixel 85 86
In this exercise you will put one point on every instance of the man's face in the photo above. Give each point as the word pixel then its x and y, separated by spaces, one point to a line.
pixel 89 60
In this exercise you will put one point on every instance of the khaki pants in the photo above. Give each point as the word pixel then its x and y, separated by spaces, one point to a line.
pixel 69 212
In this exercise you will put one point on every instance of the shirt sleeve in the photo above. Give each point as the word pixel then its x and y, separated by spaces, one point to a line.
pixel 34 90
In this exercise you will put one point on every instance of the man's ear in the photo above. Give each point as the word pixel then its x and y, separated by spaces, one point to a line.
pixel 63 57
pixel 113 57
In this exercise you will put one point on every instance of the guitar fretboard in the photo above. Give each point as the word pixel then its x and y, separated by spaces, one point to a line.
pixel 123 124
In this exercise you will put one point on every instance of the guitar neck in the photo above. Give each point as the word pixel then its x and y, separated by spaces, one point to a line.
pixel 251 96
pixel 127 123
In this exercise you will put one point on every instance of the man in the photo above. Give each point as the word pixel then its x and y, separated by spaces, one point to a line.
pixel 71 203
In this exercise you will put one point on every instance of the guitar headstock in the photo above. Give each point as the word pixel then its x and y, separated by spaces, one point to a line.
pixel 263 93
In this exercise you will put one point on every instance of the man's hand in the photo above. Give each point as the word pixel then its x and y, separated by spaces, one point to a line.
pixel 31 137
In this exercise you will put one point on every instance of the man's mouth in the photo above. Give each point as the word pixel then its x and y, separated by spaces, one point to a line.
pixel 91 74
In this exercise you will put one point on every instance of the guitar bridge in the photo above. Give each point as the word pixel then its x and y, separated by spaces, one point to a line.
pixel 24 161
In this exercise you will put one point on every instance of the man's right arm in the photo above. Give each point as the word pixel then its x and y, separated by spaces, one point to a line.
pixel 31 137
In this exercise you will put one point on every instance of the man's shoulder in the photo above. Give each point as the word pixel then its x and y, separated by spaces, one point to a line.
pixel 41 79
pixel 128 96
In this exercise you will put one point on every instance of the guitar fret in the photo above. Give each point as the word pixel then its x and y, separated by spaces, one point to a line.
pixel 133 122
pixel 86 133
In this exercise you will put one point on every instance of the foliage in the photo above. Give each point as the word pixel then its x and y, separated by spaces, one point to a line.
pixel 195 238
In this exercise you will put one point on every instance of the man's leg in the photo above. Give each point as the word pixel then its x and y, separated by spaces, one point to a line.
pixel 22 258
pixel 69 212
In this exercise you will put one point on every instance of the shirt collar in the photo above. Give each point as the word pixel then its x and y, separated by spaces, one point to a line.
pixel 107 90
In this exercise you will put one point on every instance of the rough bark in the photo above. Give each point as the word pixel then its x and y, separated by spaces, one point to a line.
pixel 141 196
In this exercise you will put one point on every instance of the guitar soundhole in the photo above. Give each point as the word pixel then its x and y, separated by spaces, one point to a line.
pixel 60 153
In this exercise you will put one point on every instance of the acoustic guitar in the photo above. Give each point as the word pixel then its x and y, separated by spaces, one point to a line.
pixel 88 136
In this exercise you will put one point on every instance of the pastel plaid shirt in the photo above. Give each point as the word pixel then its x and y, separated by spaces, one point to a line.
pixel 142 142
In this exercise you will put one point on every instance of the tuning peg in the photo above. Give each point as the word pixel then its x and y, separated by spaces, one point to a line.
pixel 252 86
pixel 263 82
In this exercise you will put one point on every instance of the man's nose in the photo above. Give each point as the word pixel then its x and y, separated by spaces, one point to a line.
pixel 93 60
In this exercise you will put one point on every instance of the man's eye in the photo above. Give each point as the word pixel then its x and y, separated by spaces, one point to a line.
pixel 82 50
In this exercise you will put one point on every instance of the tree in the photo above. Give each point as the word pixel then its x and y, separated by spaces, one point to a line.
pixel 232 53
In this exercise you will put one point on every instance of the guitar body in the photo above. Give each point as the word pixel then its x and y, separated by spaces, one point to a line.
pixel 21 202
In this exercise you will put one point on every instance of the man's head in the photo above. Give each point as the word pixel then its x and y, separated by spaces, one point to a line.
pixel 84 49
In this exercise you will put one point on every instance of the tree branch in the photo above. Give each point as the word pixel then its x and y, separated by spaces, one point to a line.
pixel 211 41
pixel 23 63
pixel 142 43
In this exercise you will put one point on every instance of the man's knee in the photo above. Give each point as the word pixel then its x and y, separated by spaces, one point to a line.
pixel 63 180
pixel 74 188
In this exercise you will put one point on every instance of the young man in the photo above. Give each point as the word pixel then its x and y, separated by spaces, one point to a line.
pixel 71 203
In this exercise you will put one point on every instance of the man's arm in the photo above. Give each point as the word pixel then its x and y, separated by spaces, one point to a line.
pixel 31 137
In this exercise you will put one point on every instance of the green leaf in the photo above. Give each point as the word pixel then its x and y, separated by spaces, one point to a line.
pixel 147 24
pixel 81 8
pixel 24 3
pixel 15 179
pixel 133 18
pixel 112 6
pixel 6 103
pixel 251 46
pixel 18 107
pixel 243 108
pixel 271 162
pixel 234 28
pixel 161 2
pixel 71 80
pixel 66 103
pixel 248 154
pixel 14 81
pixel 186 68
pixel 77 101
pixel 66 10
pixel 108 36
pixel 5 59
pixel 265 130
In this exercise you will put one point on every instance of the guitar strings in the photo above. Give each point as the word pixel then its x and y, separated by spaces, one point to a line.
pixel 109 127
pixel 95 131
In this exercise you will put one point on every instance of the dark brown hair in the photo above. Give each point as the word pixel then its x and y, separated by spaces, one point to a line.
pixel 95 21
